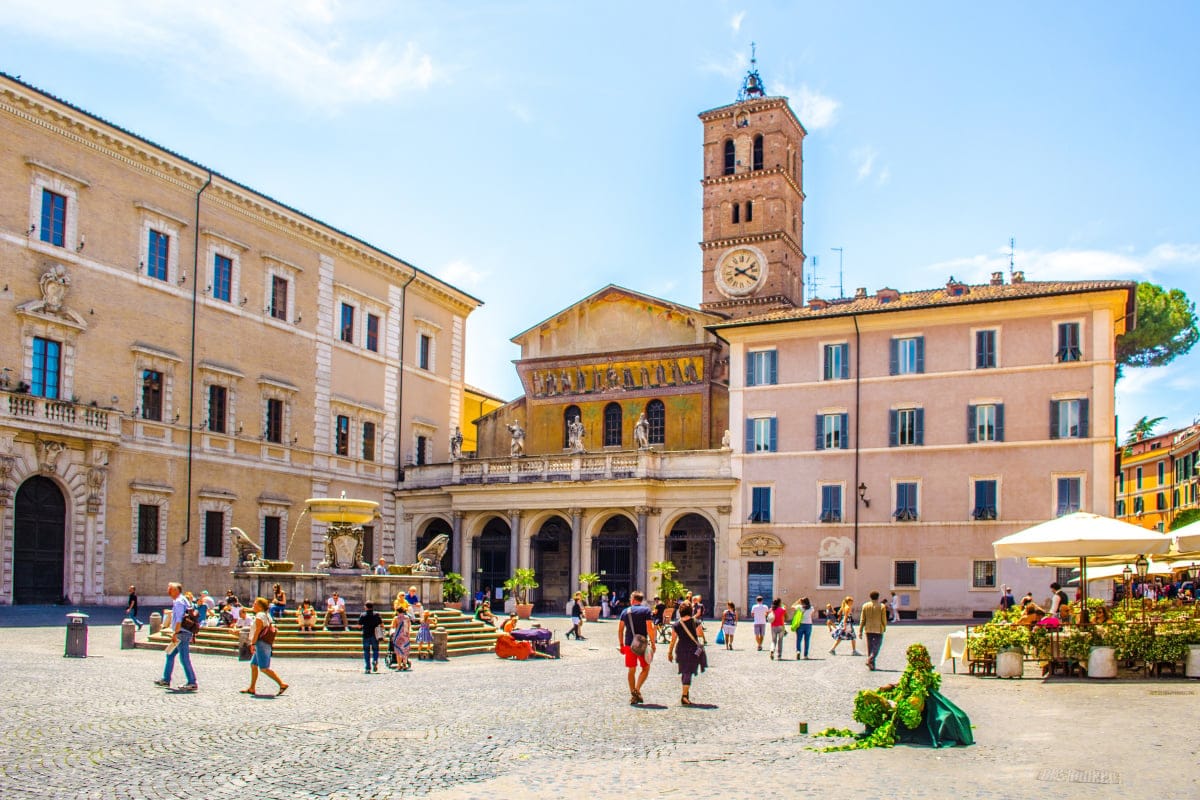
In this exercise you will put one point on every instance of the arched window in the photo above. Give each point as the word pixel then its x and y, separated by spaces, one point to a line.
pixel 758 152
pixel 656 415
pixel 729 157
pixel 612 425
pixel 571 413
pixel 737 211
pixel 749 210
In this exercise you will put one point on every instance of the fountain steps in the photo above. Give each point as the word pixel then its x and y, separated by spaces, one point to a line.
pixel 466 636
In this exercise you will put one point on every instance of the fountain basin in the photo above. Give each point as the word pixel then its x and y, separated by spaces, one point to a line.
pixel 341 510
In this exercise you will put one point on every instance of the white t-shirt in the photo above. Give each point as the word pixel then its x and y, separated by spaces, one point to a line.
pixel 337 606
pixel 266 622
pixel 759 612
pixel 806 615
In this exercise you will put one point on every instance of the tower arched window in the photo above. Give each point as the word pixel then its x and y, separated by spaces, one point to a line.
pixel 656 416
pixel 612 425
pixel 730 157
pixel 737 213
pixel 758 151
pixel 749 211
pixel 568 416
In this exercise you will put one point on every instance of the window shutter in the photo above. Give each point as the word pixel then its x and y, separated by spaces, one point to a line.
pixel 980 357
pixel 893 428
pixel 1053 419
pixel 1083 418
pixel 749 369
pixel 845 362
pixel 999 422
pixel 971 424
pixel 845 431
pixel 893 357
pixel 919 435
pixel 774 435
pixel 820 431
pixel 772 363
pixel 920 354
pixel 749 435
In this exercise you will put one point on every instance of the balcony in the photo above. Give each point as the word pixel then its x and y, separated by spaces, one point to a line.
pixel 616 465
pixel 60 417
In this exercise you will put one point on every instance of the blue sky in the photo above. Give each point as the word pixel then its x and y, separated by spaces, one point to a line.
pixel 533 152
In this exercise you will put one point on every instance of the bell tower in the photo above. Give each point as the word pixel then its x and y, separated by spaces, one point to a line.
pixel 753 245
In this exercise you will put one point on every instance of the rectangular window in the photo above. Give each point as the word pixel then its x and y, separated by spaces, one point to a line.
pixel 1120 508
pixel 831 503
pixel 218 399
pixel 1121 482
pixel 985 500
pixel 1161 499
pixel 273 424
pixel 904 574
pixel 1162 468
pixel 54 218
pixel 47 366
pixel 837 362
pixel 985 349
pixel 152 395
pixel 983 574
pixel 1139 477
pixel 830 574
pixel 760 504
pixel 147 543
pixel 368 441
pixel 422 447
pixel 761 435
pixel 347 332
pixel 761 368
pixel 279 297
pixel 373 333
pixel 342 436
pixel 214 534
pixel 833 431
pixel 222 277
pixel 1069 419
pixel 157 251
pixel 1068 342
pixel 907 356
pixel 1068 495
pixel 424 355
pixel 985 423
pixel 906 502
pixel 1139 505
pixel 271 538
pixel 906 427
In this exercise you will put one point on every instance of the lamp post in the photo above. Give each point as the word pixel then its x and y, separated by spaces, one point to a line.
pixel 1143 566
pixel 1126 575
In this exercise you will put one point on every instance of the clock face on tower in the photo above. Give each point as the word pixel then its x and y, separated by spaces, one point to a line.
pixel 741 271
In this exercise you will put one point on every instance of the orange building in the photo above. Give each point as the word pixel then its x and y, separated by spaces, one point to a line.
pixel 1157 478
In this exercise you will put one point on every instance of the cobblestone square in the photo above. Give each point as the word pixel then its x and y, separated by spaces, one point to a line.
pixel 477 727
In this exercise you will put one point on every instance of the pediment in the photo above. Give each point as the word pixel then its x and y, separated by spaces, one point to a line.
pixel 761 545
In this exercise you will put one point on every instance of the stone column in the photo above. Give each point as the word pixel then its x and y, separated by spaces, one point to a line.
pixel 642 578
pixel 467 561
pixel 722 547
pixel 514 538
pixel 576 547
pixel 459 546
pixel 405 540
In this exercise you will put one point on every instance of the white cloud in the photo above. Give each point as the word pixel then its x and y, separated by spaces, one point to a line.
pixel 816 110
pixel 1070 265
pixel 1175 254
pixel 462 274
pixel 865 158
pixel 310 50
pixel 736 22
pixel 885 175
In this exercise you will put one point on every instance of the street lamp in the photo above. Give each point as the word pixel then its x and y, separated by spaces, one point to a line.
pixel 862 495
pixel 1143 566
pixel 1127 574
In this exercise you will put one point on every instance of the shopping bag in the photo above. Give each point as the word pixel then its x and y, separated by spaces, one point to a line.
pixel 721 636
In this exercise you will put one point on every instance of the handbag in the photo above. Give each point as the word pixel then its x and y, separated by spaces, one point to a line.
pixel 639 644
pixel 720 636
pixel 692 636
pixel 267 635
pixel 380 633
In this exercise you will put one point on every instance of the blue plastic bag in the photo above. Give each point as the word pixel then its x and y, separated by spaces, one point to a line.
pixel 721 636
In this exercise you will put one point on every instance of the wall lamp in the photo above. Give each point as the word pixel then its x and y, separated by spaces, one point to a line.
pixel 862 495
pixel 82 243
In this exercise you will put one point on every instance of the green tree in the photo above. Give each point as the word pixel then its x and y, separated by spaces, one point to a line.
pixel 1165 328
pixel 1185 517
pixel 1142 429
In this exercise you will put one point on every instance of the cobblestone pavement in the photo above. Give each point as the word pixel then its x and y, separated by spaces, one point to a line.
pixel 479 727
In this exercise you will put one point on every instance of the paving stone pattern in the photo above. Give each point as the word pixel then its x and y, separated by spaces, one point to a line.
pixel 479 727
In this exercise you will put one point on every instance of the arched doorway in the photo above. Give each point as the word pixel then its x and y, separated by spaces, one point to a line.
pixel 614 555
pixel 434 528
pixel 551 547
pixel 691 548
pixel 492 566
pixel 39 540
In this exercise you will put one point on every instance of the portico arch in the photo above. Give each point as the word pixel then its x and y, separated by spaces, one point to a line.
pixel 691 547
pixel 432 528
pixel 492 565
pixel 550 554
pixel 614 553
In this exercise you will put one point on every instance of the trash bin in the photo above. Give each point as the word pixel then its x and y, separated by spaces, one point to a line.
pixel 76 635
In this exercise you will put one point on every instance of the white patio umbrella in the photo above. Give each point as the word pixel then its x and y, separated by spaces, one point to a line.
pixel 1188 537
pixel 1113 571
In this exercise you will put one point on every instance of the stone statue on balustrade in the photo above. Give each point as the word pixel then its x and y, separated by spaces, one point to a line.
pixel 456 444
pixel 641 432
pixel 575 435
pixel 516 448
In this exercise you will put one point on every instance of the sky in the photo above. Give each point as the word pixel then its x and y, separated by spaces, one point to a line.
pixel 531 153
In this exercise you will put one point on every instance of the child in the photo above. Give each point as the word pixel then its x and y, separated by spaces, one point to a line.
pixel 425 637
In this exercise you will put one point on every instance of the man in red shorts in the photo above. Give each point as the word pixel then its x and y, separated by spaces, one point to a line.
pixel 635 638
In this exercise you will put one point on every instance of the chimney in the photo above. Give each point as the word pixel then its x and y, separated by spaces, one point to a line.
pixel 860 293
pixel 997 279
pixel 1018 276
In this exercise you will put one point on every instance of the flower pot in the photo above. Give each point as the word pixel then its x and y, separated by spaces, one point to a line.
pixel 591 613
pixel 1010 663
pixel 455 604
pixel 1102 662
pixel 524 610
pixel 1192 668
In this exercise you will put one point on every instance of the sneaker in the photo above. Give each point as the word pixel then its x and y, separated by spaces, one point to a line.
pixel 163 684
pixel 375 668
pixel 188 687
pixel 366 672
pixel 833 651
pixel 797 656
pixel 772 655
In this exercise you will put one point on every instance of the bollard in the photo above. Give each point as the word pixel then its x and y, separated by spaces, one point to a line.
pixel 803 727
pixel 441 640
pixel 128 635
pixel 77 628
pixel 155 623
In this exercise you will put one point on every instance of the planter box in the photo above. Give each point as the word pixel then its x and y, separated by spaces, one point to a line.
pixel 1010 663
pixel 524 610
pixel 455 604
pixel 1192 668
pixel 591 613
pixel 1102 662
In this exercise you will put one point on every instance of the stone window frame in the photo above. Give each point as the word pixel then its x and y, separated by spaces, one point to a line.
pixel 274 507
pixel 218 244
pixel 276 267
pixel 214 374
pixel 276 389
pixel 975 587
pixel 363 304
pixel 916 584
pixel 843 511
pixel 841 562
pixel 358 413
pixel 152 218
pixel 429 431
pixel 894 498
pixel 44 176
pixel 426 327
pixel 215 500
pixel 972 479
pixel 148 357
pixel 63 330
pixel 145 493
pixel 975 331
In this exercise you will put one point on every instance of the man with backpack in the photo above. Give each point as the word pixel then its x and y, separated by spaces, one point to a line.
pixel 185 622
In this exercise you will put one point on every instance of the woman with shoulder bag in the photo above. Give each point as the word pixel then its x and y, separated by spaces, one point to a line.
pixel 729 624
pixel 262 637
pixel 685 649
pixel 845 628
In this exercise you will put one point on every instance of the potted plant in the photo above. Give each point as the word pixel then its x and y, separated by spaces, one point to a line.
pixel 592 588
pixel 522 580
pixel 453 590
pixel 669 589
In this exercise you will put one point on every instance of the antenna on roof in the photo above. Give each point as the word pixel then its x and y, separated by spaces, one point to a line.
pixel 1012 250
pixel 813 283
pixel 841 287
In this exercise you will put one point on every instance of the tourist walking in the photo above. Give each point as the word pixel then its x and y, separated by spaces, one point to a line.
pixel 131 608
pixel 372 628
pixel 777 616
pixel 262 641
pixel 758 612
pixel 401 640
pixel 729 624
pixel 184 624
pixel 685 649
pixel 635 640
pixel 802 625
pixel 577 618
pixel 873 619
pixel 843 630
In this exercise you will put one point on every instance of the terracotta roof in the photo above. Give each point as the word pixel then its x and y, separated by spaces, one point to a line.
pixel 930 298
